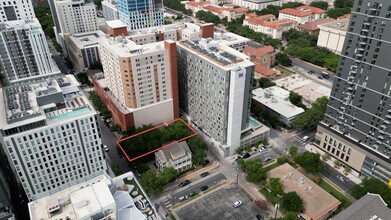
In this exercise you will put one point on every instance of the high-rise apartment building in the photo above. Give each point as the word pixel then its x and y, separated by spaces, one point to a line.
pixel 16 10
pixel 141 13
pixel 356 128
pixel 24 52
pixel 51 135
pixel 110 10
pixel 215 90
pixel 72 17
pixel 140 81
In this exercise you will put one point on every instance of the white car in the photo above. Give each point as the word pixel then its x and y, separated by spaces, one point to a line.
pixel 105 148
pixel 238 203
pixel 341 178
pixel 305 138
pixel 262 149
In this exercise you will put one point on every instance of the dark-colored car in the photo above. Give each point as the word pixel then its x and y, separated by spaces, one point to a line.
pixel 203 188
pixel 267 159
pixel 157 207
pixel 184 183
pixel 246 155
pixel 192 194
pixel 206 162
pixel 204 174
pixel 311 72
pixel 320 77
pixel 259 217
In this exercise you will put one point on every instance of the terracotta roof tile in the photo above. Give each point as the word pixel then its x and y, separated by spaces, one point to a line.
pixel 275 24
pixel 312 26
pixel 345 16
pixel 192 3
pixel 302 11
pixel 264 70
pixel 258 52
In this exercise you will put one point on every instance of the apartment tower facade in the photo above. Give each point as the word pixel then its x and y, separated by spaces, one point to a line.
pixel 214 90
pixel 356 128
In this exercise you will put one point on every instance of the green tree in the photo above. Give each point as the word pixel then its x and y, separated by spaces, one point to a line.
pixel 168 175
pixel 326 157
pixel 337 163
pixel 293 151
pixel 151 183
pixel 331 62
pixel 283 59
pixel 312 116
pixel 292 202
pixel 254 170
pixel 309 161
pixel 98 3
pixel 320 4
pixel 336 12
pixel 372 185
pixel 114 127
pixel 295 98
pixel 343 3
pixel 116 169
pixel 265 82
pixel 275 186
pixel 208 16
pixel 348 169
pixel 198 147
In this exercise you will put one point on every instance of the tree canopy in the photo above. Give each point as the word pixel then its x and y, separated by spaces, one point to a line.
pixel 336 12
pixel 312 116
pixel 372 185
pixel 208 16
pixel 254 170
pixel 283 59
pixel 177 6
pixel 275 186
pixel 293 151
pixel 320 4
pixel 309 161
pixel 292 202
pixel 265 82
pixel 343 3
pixel 296 99
pixel 153 182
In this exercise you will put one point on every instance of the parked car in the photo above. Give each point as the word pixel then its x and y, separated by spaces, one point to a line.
pixel 262 149
pixel 184 183
pixel 341 178
pixel 246 155
pixel 237 203
pixel 206 162
pixel 156 206
pixel 320 77
pixel 203 188
pixel 259 217
pixel 192 194
pixel 311 72
pixel 183 198
pixel 105 148
pixel 267 159
pixel 204 174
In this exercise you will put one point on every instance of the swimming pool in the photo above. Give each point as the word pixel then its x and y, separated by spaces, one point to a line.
pixel 253 122
pixel 69 114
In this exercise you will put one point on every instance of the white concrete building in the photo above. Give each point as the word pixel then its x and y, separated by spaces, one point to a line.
pixel 302 14
pixel 275 100
pixel 24 52
pixel 139 78
pixel 196 6
pixel 332 35
pixel 257 4
pixel 83 49
pixel 269 26
pixel 177 156
pixel 101 197
pixel 16 10
pixel 110 10
pixel 51 135
pixel 72 17
pixel 214 84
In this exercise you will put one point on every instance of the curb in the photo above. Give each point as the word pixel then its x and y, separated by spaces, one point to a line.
pixel 338 188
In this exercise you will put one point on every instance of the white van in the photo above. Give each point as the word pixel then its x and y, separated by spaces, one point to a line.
pixel 305 138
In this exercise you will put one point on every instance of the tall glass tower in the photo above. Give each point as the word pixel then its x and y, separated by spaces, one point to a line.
pixel 356 129
pixel 138 14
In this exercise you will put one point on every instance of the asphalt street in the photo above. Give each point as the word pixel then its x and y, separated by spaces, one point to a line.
pixel 209 181
pixel 306 66
pixel 58 59
pixel 331 174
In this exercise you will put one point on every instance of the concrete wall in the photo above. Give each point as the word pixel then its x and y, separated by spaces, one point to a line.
pixel 154 114
pixel 332 39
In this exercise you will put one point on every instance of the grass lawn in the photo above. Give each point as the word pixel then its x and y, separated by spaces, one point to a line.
pixel 345 201
pixel 283 69
pixel 271 166
pixel 273 199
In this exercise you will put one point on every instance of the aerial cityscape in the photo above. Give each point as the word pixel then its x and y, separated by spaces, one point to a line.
pixel 195 110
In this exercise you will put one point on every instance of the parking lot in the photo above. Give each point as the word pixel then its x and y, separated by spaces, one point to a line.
pixel 219 205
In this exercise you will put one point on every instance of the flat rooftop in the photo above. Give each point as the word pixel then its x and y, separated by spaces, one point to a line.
pixel 307 88
pixel 230 38
pixel 50 99
pixel 19 24
pixel 87 39
pixel 341 24
pixel 125 47
pixel 115 24
pixel 153 30
pixel 317 202
pixel 277 99
pixel 216 51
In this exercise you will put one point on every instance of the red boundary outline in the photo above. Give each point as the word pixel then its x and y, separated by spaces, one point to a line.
pixel 164 146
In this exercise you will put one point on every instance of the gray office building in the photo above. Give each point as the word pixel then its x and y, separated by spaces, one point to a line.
pixel 356 128
pixel 214 90
pixel 24 52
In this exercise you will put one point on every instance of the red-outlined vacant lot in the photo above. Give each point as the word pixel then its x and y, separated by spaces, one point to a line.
pixel 164 146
